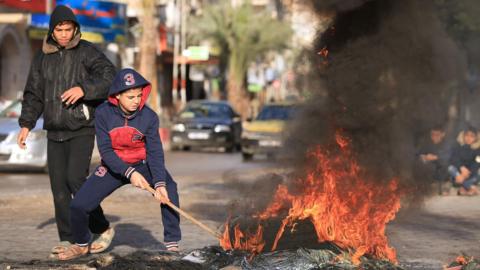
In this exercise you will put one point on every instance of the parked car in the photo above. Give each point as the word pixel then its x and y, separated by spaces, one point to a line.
pixel 206 124
pixel 264 134
pixel 11 155
pixel 35 155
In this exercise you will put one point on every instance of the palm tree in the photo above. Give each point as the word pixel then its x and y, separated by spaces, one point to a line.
pixel 243 35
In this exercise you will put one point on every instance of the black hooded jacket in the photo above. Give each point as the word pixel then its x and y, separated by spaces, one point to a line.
pixel 56 69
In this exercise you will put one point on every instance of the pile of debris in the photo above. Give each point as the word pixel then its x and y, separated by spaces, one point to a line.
pixel 215 258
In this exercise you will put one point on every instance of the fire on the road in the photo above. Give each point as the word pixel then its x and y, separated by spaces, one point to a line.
pixel 337 196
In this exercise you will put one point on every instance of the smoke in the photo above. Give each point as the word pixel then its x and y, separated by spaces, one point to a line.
pixel 390 74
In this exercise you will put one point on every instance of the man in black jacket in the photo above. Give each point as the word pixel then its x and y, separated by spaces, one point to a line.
pixel 68 78
pixel 433 153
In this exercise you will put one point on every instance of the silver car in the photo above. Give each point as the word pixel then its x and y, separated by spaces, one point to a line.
pixel 11 156
pixel 35 155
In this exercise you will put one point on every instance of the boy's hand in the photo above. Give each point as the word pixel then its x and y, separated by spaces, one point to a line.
pixel 138 180
pixel 161 194
pixel 72 95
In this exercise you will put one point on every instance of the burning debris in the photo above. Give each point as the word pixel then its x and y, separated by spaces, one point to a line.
pixel 464 262
pixel 345 208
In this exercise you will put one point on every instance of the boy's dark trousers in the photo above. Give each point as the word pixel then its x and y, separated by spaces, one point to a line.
pixel 101 184
pixel 68 165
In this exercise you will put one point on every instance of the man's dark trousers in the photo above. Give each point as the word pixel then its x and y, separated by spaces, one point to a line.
pixel 68 165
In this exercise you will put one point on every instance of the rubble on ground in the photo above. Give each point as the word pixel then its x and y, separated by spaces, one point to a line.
pixel 464 262
pixel 213 258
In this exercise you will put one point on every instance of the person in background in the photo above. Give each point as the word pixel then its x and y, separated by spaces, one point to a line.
pixel 132 153
pixel 434 153
pixel 465 162
pixel 68 79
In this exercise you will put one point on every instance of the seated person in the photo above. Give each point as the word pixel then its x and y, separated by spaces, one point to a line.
pixel 464 162
pixel 433 153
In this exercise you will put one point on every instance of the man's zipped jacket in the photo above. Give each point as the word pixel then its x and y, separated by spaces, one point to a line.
pixel 56 69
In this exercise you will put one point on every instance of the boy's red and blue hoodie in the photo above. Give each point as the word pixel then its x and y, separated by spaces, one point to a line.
pixel 128 140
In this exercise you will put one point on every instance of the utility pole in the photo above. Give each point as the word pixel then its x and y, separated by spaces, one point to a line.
pixel 176 47
pixel 183 91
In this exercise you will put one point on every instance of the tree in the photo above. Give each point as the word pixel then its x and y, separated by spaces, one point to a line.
pixel 462 22
pixel 243 35
pixel 148 50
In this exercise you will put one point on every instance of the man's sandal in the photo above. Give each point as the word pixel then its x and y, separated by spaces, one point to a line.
pixel 73 252
pixel 61 247
pixel 102 242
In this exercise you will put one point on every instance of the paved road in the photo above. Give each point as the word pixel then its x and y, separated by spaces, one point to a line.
pixel 27 228
pixel 429 237
pixel 193 166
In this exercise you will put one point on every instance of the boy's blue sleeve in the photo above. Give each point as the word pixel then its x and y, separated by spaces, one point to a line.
pixel 104 143
pixel 155 156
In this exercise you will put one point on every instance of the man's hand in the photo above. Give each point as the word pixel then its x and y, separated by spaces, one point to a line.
pixel 428 157
pixel 72 95
pixel 161 194
pixel 22 137
pixel 138 180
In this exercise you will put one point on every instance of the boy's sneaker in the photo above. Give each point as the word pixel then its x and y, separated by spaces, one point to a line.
pixel 172 246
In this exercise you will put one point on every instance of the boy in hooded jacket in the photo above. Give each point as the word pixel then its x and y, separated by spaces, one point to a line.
pixel 131 151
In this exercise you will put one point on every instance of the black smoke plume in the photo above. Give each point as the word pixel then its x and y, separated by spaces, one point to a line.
pixel 391 73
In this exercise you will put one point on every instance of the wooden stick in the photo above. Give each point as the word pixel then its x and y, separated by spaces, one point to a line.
pixel 188 216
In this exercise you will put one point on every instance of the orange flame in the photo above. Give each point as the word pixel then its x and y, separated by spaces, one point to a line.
pixel 253 243
pixel 324 54
pixel 462 260
pixel 344 205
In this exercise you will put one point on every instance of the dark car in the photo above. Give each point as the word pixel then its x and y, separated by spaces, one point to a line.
pixel 206 124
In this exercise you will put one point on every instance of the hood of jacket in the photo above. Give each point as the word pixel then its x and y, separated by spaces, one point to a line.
pixel 127 79
pixel 460 140
pixel 60 14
